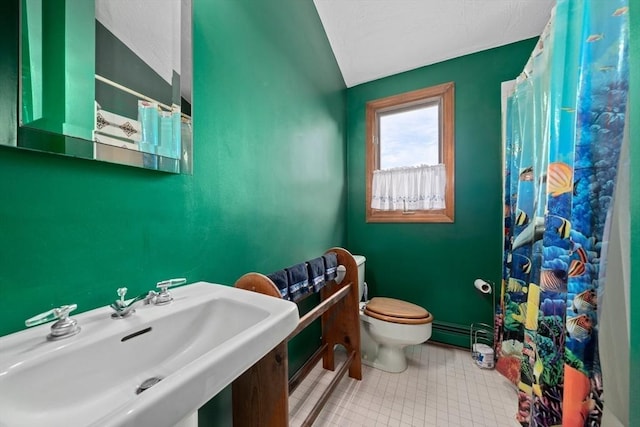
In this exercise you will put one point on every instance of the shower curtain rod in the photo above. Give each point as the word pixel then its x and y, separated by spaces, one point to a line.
pixel 537 50
pixel 138 94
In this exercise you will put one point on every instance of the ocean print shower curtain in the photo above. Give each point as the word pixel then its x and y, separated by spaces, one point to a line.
pixel 564 126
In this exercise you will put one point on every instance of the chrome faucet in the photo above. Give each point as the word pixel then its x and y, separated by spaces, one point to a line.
pixel 124 308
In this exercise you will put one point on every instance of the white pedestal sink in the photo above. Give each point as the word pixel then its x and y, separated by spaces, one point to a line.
pixel 196 346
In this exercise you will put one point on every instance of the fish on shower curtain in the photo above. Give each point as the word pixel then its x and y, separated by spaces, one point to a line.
pixel 564 126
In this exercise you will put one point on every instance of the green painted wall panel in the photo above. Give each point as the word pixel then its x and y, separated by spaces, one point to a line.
pixel 268 187
pixel 634 201
pixel 80 52
pixel 60 49
pixel 434 265
pixel 8 74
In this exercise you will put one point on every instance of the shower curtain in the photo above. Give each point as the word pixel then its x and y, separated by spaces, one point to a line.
pixel 564 125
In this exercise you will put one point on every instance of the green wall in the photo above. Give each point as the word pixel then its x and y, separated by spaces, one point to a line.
pixel 634 183
pixel 434 265
pixel 268 187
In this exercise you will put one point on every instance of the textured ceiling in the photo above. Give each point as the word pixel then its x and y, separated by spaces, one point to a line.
pixel 378 38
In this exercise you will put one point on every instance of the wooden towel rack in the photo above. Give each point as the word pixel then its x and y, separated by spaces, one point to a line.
pixel 261 394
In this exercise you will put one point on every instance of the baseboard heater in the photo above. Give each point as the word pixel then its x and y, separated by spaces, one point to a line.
pixel 451 333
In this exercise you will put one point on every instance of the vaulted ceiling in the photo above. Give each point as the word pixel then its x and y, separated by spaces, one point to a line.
pixel 372 39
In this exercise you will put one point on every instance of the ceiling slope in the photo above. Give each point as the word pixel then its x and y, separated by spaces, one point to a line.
pixel 372 39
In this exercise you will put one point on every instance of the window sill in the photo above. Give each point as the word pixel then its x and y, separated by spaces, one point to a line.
pixel 435 216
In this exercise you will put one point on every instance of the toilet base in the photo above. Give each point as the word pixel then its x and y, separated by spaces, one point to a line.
pixel 387 358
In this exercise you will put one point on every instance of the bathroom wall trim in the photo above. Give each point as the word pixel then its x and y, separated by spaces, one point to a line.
pixel 451 333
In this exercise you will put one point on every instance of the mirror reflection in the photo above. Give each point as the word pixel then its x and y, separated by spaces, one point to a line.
pixel 112 76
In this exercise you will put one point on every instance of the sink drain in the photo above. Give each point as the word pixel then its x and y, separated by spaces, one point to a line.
pixel 147 384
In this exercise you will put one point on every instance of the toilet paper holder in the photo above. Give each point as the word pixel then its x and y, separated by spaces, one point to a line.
pixel 481 334
pixel 483 286
pixel 481 345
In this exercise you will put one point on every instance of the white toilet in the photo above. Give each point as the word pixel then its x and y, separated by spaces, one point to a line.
pixel 388 325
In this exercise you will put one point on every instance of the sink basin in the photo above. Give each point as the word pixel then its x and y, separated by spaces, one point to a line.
pixel 153 368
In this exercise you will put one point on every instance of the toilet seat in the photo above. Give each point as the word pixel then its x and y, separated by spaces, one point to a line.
pixel 397 311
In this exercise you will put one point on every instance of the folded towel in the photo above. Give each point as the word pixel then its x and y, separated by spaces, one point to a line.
pixel 315 269
pixel 298 281
pixel 279 278
pixel 330 265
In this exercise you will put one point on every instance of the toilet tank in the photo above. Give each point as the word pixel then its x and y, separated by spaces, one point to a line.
pixel 360 262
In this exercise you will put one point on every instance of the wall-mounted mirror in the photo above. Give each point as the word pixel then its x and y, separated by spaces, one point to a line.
pixel 112 77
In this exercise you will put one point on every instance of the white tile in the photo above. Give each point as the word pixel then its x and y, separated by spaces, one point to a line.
pixel 442 387
pixel 394 422
pixel 396 415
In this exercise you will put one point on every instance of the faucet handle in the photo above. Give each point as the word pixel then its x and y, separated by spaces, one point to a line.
pixel 64 327
pixel 121 293
pixel 170 283
pixel 164 297
pixel 53 314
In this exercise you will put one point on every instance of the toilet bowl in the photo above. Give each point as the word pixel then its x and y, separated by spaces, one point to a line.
pixel 387 326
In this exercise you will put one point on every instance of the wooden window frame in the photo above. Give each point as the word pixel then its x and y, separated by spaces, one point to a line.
pixel 444 95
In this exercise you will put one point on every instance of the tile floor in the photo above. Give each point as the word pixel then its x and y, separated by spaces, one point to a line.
pixel 442 387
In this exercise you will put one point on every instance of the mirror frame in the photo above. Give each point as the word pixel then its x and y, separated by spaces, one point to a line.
pixel 29 138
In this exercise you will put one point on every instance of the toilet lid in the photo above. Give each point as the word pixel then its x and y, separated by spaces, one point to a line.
pixel 397 311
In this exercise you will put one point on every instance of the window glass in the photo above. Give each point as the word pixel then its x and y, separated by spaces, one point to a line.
pixel 410 137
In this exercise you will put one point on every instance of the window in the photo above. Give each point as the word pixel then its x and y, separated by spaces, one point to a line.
pixel 406 132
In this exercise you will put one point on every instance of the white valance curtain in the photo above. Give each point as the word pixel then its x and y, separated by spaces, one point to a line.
pixel 409 188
